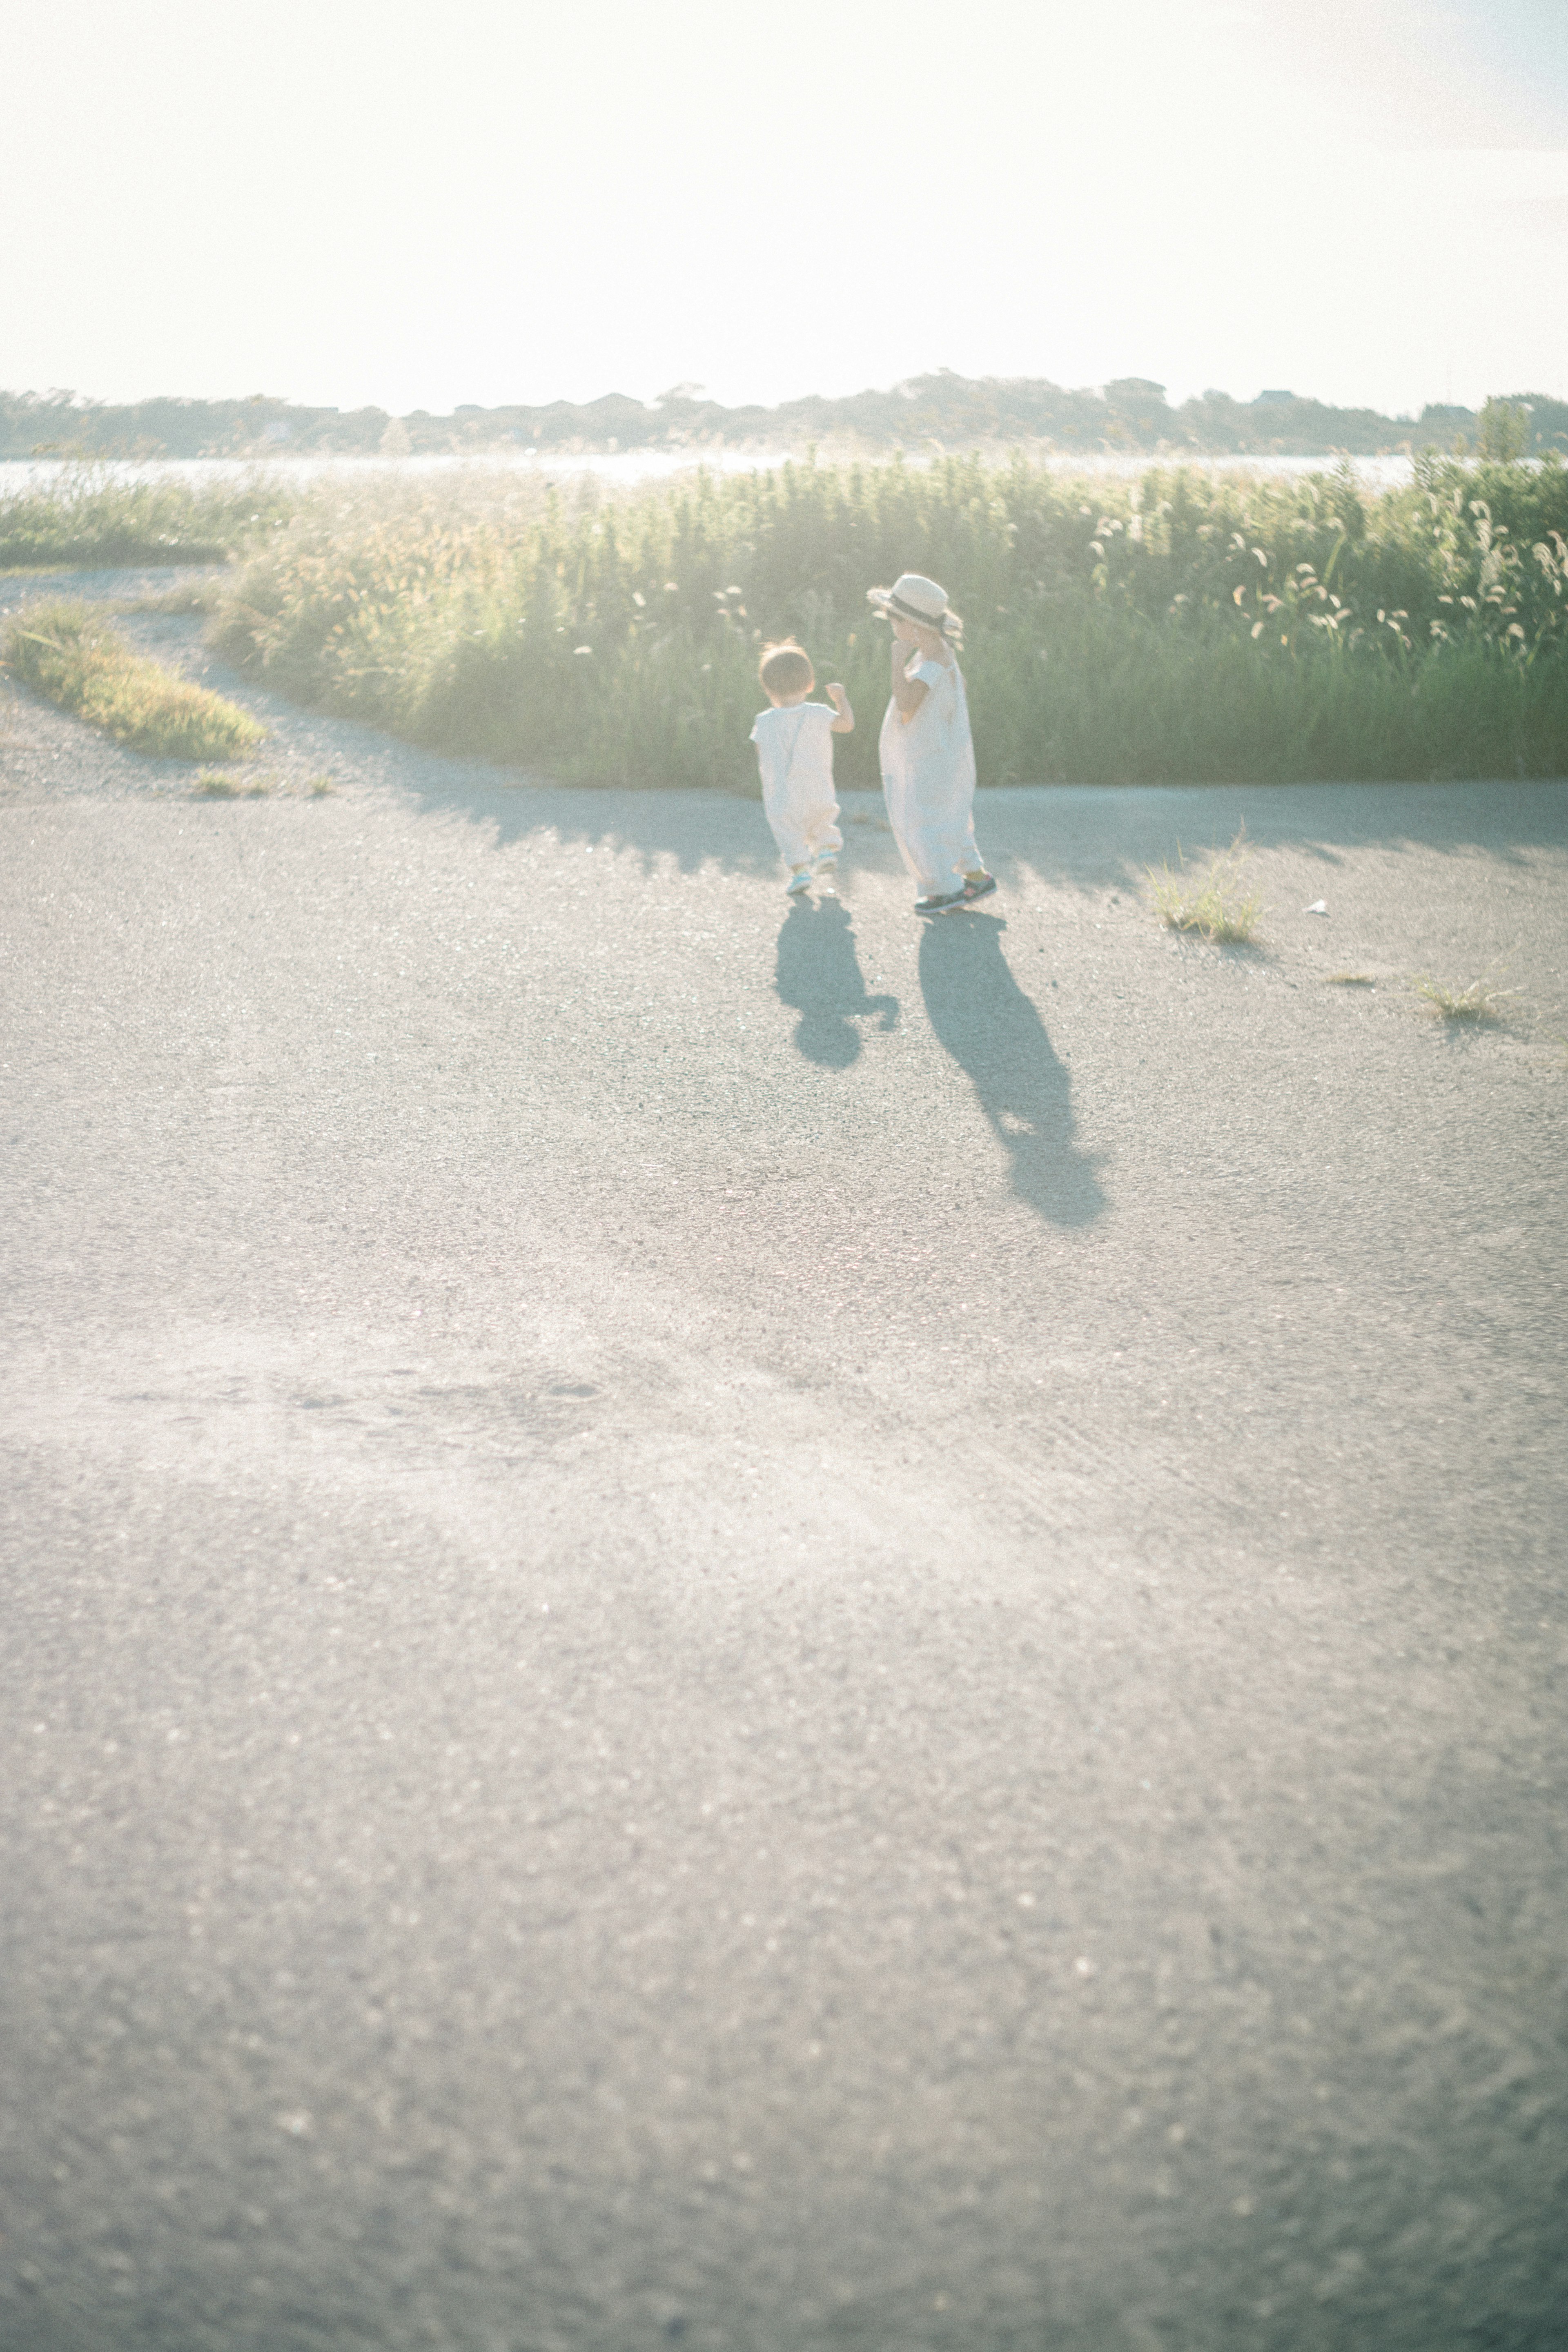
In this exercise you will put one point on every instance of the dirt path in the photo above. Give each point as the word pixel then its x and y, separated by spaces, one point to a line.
pixel 735 1625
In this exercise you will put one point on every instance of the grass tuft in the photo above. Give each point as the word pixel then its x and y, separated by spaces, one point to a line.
pixel 210 786
pixel 320 787
pixel 70 653
pixel 1479 1003
pixel 1213 900
pixel 1349 980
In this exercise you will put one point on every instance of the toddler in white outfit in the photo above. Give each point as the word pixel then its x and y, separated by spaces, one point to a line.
pixel 795 754
pixel 926 749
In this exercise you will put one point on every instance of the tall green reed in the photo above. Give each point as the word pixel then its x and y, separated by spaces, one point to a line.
pixel 1191 625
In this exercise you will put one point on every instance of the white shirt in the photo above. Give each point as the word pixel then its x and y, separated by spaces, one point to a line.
pixel 794 752
pixel 931 757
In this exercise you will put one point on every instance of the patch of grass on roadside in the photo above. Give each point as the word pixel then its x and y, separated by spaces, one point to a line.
pixel 320 787
pixel 1476 1003
pixel 1349 980
pixel 1213 900
pixel 70 653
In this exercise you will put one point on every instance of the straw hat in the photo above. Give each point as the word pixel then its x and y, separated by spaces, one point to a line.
pixel 913 597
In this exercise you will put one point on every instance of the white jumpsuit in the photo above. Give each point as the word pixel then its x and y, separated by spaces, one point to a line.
pixel 928 777
pixel 794 752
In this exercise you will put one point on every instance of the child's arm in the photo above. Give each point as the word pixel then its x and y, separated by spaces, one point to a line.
pixel 908 693
pixel 843 724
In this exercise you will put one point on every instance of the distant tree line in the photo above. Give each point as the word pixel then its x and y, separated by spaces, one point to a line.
pixel 953 412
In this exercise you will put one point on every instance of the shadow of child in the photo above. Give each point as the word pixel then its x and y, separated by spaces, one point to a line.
pixel 818 972
pixel 996 1035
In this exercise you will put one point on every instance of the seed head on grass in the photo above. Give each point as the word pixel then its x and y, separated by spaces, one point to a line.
pixel 1476 1003
pixel 1213 900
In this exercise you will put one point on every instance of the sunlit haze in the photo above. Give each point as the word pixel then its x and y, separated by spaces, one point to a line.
pixel 1364 200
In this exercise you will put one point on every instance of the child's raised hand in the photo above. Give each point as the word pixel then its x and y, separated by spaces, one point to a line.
pixel 836 693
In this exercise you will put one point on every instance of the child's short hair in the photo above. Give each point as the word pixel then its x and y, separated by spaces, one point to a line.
pixel 786 670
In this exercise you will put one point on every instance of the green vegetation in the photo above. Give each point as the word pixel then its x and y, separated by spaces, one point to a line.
pixel 1188 626
pixel 90 520
pixel 1479 1004
pixel 69 653
pixel 1215 899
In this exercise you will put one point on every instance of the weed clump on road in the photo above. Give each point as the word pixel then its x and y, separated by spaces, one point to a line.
pixel 1479 1003
pixel 70 653
pixel 211 787
pixel 1213 899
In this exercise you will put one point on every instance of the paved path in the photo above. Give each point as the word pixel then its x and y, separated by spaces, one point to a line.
pixel 745 1627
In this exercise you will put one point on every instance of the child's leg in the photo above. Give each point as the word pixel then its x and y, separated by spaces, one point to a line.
pixel 793 845
pixel 896 797
pixel 822 830
pixel 946 836
pixel 930 851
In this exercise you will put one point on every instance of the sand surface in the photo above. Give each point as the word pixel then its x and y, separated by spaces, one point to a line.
pixel 744 1625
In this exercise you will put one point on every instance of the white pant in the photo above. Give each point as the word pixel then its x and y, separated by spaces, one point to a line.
pixel 804 824
pixel 936 843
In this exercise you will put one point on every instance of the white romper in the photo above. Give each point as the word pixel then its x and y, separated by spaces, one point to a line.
pixel 795 754
pixel 928 777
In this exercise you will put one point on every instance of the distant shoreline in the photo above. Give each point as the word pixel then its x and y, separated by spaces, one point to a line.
pixel 1129 419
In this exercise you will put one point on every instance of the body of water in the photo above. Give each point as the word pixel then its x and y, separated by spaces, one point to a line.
pixel 632 466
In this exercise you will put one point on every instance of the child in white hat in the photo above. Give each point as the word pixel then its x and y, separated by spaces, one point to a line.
pixel 926 749
pixel 794 752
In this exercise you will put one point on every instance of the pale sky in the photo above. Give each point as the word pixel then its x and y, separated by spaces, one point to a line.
pixel 414 206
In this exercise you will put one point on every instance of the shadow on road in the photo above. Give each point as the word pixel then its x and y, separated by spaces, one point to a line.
pixel 1078 837
pixel 819 973
pixel 996 1035
pixel 1081 838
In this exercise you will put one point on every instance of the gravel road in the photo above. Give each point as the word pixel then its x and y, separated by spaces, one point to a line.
pixel 740 1625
